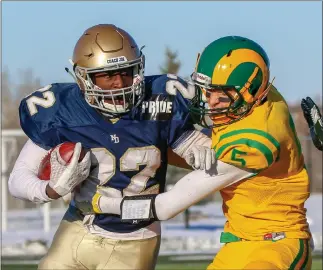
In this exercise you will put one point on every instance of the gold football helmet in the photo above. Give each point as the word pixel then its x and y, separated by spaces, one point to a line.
pixel 105 47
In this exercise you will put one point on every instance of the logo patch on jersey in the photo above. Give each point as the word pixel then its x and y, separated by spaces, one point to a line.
pixel 114 138
pixel 158 107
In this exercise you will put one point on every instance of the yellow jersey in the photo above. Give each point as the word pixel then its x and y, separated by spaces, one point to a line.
pixel 266 143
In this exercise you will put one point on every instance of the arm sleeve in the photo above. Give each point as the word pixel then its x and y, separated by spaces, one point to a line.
pixel 190 189
pixel 23 181
pixel 195 186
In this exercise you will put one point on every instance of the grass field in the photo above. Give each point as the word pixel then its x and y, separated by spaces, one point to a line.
pixel 317 265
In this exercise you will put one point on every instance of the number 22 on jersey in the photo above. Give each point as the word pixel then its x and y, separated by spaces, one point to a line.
pixel 106 161
pixel 105 169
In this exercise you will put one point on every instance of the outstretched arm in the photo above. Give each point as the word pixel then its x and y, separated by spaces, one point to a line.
pixel 190 189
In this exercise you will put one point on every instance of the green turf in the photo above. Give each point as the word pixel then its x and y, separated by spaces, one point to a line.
pixel 317 265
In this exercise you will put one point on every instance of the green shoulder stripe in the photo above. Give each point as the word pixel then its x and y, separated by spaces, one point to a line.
pixel 254 131
pixel 292 126
pixel 251 143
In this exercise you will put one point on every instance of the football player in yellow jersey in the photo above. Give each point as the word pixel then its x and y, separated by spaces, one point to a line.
pixel 253 129
pixel 260 169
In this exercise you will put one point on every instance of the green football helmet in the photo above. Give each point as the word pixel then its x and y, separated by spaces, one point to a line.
pixel 237 67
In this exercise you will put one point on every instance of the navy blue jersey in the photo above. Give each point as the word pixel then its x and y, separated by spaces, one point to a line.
pixel 130 154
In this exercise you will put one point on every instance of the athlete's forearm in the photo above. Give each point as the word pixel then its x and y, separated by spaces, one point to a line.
pixel 194 187
pixel 23 181
pixel 190 189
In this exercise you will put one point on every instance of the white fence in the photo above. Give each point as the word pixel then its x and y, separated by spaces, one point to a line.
pixel 202 237
pixel 9 152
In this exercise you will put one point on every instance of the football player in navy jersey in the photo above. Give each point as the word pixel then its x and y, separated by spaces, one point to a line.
pixel 133 127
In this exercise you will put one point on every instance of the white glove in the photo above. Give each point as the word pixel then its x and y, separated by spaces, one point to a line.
pixel 200 157
pixel 172 86
pixel 65 177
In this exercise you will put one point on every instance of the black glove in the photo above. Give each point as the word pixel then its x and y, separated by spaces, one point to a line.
pixel 314 120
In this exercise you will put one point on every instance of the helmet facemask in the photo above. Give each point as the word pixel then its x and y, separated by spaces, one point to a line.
pixel 107 50
pixel 235 109
pixel 105 100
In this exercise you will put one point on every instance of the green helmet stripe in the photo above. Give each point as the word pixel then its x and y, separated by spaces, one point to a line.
pixel 243 71
pixel 223 46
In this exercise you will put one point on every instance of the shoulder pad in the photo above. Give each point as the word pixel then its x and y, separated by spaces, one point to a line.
pixel 164 84
pixel 49 100
pixel 52 107
pixel 47 97
pixel 248 148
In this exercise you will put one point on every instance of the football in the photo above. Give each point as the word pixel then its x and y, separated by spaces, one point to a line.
pixel 66 151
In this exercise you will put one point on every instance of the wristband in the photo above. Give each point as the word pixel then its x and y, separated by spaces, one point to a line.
pixel 135 209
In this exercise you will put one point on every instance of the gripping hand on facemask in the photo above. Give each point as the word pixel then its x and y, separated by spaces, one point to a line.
pixel 65 177
pixel 314 120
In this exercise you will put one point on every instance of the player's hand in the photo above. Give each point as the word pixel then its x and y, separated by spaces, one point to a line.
pixel 174 86
pixel 314 120
pixel 200 157
pixel 65 177
pixel 91 198
pixel 311 111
